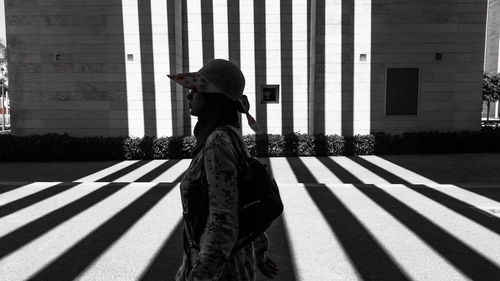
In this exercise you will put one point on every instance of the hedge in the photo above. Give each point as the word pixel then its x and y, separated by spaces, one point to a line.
pixel 62 147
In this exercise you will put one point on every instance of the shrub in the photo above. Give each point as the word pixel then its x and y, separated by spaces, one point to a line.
pixel 251 144
pixel 56 147
pixel 62 147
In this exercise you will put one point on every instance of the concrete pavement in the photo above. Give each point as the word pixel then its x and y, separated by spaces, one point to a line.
pixel 399 217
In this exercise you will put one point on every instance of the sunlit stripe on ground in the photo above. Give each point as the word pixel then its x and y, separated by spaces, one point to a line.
pixel 22 217
pixel 397 170
pixel 282 171
pixel 319 171
pixel 106 172
pixel 46 248
pixel 316 252
pixel 363 174
pixel 174 172
pixel 408 251
pixel 128 257
pixel 466 196
pixel 141 171
pixel 24 191
pixel 484 241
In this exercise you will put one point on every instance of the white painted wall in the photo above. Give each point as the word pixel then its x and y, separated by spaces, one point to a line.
pixel 133 68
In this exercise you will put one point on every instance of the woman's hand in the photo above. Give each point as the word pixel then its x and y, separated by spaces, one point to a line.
pixel 269 268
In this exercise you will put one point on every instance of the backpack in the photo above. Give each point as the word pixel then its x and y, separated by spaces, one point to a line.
pixel 259 198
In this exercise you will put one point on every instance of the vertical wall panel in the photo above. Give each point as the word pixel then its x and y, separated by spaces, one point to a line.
pixel 133 68
pixel 362 57
pixel 287 62
pixel 247 60
pixel 347 66
pixel 161 58
pixel 147 67
pixel 299 54
pixel 195 41
pixel 498 62
pixel 260 47
pixel 333 67
pixel 273 63
pixel 233 30
pixel 221 44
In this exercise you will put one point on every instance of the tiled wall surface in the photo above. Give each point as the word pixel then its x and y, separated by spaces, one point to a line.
pixel 410 34
pixel 492 58
pixel 329 58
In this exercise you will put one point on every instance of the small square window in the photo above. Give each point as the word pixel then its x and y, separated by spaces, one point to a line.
pixel 270 94
pixel 58 58
pixel 362 57
pixel 130 57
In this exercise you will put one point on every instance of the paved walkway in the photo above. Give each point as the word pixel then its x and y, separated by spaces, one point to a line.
pixel 424 217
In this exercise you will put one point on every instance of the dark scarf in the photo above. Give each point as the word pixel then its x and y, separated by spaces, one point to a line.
pixel 219 110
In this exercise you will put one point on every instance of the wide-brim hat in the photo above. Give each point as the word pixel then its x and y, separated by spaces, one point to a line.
pixel 217 76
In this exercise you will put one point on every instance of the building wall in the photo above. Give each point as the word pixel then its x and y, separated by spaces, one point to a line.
pixel 492 57
pixel 328 57
pixel 410 35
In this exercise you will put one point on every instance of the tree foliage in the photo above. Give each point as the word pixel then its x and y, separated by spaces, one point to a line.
pixel 491 90
pixel 3 63
pixel 491 87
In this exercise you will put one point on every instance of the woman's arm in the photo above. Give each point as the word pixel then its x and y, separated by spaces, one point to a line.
pixel 221 231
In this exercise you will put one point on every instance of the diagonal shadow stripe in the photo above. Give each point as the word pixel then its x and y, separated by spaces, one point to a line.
pixel 29 200
pixel 179 178
pixel 279 251
pixel 74 261
pixel 6 187
pixel 169 258
pixel 388 176
pixel 369 258
pixel 473 264
pixel 339 171
pixel 492 193
pixel 118 174
pixel 158 171
pixel 462 208
pixel 301 171
pixel 29 232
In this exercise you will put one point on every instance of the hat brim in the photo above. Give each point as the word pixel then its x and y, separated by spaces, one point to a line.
pixel 194 81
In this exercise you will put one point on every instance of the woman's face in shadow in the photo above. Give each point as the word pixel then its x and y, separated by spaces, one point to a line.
pixel 197 102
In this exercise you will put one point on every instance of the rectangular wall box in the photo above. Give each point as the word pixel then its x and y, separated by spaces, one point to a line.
pixel 270 94
pixel 402 91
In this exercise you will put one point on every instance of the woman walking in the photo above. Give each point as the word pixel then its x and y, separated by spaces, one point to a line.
pixel 209 188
